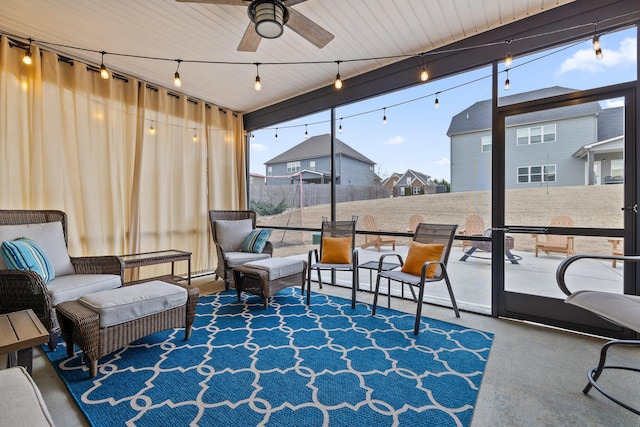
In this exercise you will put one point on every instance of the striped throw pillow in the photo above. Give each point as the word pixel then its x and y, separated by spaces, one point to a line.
pixel 256 240
pixel 25 254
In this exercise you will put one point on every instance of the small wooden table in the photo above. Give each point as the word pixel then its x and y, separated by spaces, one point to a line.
pixel 159 257
pixel 20 331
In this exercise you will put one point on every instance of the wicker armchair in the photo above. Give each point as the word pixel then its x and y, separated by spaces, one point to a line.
pixel 21 290
pixel 228 255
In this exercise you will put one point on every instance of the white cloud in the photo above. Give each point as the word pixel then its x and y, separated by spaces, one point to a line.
pixel 258 147
pixel 585 59
pixel 396 140
pixel 613 103
pixel 444 161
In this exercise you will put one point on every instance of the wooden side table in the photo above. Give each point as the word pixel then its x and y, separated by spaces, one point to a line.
pixel 20 331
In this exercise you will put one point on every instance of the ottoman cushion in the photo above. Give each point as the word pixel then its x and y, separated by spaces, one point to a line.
pixel 278 267
pixel 132 302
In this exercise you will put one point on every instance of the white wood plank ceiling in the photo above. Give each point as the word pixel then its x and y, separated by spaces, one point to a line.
pixel 212 32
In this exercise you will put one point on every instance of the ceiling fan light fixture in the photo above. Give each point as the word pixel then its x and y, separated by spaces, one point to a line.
pixel 269 17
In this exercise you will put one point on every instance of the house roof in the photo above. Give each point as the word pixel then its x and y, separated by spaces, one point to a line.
pixel 395 175
pixel 423 178
pixel 316 147
pixel 610 123
pixel 477 117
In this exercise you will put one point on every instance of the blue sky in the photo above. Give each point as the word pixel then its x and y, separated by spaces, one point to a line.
pixel 414 136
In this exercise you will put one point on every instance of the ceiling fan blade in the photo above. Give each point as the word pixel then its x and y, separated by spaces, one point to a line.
pixel 250 40
pixel 230 2
pixel 308 29
pixel 292 2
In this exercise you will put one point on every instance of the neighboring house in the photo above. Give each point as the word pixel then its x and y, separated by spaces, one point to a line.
pixel 311 161
pixel 412 182
pixel 390 181
pixel 257 179
pixel 574 145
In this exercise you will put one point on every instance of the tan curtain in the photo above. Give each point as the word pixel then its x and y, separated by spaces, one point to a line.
pixel 135 168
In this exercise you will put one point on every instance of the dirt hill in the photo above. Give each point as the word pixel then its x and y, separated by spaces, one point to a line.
pixel 589 206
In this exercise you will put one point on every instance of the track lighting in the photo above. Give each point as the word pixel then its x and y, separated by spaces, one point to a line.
pixel 27 55
pixel 340 127
pixel 436 104
pixel 258 85
pixel 176 77
pixel 384 116
pixel 338 82
pixel 104 73
pixel 508 60
pixel 507 84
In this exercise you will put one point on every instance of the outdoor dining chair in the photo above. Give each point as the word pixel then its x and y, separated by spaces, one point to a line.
pixel 619 309
pixel 337 253
pixel 426 262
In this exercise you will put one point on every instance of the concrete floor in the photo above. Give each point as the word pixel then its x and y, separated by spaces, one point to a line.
pixel 534 375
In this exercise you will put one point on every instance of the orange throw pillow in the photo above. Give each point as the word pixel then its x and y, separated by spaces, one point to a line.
pixel 336 250
pixel 419 253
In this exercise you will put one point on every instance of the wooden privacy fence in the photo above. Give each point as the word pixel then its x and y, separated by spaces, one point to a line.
pixel 314 194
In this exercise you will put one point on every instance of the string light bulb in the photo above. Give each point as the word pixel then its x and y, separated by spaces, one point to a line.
pixel 258 85
pixel 507 83
pixel 384 116
pixel 599 54
pixel 424 75
pixel 338 82
pixel 27 59
pixel 436 104
pixel 306 134
pixel 177 82
pixel 104 73
pixel 508 60
pixel 596 38
pixel 340 127
pixel 276 134
pixel 253 135
pixel 152 130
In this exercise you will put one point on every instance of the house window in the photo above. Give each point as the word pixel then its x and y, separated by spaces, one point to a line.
pixel 409 180
pixel 617 167
pixel 416 190
pixel 312 165
pixel 485 144
pixel 293 167
pixel 269 170
pixel 536 174
pixel 536 135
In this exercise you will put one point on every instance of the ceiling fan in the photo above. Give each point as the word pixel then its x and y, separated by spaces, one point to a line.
pixel 268 18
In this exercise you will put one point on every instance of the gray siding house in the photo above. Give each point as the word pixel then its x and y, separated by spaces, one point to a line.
pixel 311 161
pixel 576 145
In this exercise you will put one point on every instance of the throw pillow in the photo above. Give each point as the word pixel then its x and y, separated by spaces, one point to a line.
pixel 336 250
pixel 256 240
pixel 231 234
pixel 418 254
pixel 25 254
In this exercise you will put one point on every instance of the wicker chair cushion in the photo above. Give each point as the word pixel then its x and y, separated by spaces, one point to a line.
pixel 25 254
pixel 234 259
pixel 73 286
pixel 132 302
pixel 232 234
pixel 278 267
pixel 49 237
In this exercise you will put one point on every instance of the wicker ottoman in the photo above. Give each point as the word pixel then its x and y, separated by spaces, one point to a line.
pixel 103 322
pixel 268 276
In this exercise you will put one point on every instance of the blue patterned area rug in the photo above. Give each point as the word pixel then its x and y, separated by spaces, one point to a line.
pixel 288 365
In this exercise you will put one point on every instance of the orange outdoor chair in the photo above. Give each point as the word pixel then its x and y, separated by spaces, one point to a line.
pixel 374 240
pixel 473 226
pixel 556 243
